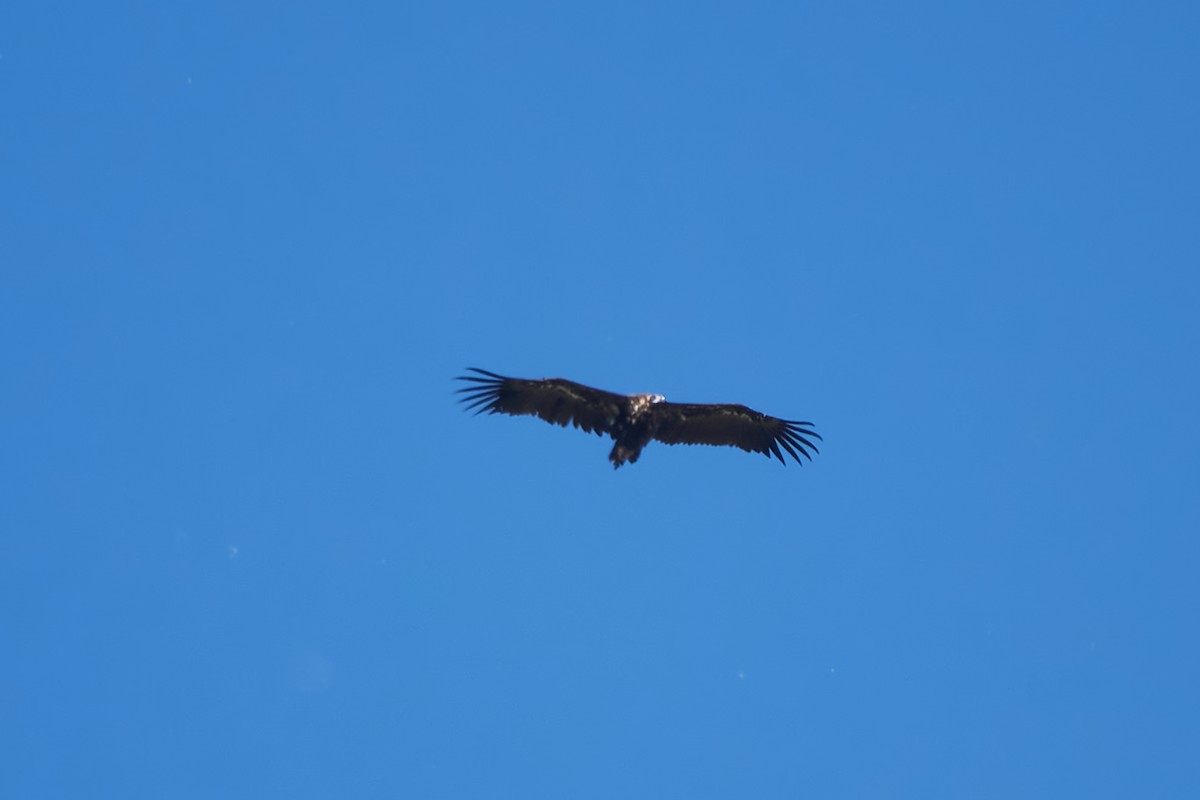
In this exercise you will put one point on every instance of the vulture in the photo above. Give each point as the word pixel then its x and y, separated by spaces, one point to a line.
pixel 632 420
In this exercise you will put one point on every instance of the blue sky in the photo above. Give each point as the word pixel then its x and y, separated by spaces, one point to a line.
pixel 253 548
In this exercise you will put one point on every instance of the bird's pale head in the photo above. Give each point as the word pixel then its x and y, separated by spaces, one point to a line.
pixel 638 403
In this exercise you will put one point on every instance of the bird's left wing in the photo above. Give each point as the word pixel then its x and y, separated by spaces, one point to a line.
pixel 735 426
pixel 556 400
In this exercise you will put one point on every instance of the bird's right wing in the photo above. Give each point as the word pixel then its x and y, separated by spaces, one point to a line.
pixel 735 426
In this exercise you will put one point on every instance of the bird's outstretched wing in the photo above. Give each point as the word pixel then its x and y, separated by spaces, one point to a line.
pixel 555 400
pixel 735 426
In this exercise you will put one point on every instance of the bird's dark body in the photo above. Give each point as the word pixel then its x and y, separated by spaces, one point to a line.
pixel 633 430
pixel 633 421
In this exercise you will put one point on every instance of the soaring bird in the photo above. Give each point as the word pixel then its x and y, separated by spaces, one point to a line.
pixel 632 420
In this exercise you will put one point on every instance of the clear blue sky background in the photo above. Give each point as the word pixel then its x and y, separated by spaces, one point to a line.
pixel 253 548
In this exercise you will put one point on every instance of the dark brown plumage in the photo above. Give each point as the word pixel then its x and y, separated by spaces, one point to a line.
pixel 634 420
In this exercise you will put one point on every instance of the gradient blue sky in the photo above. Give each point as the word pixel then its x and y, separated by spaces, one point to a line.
pixel 252 548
